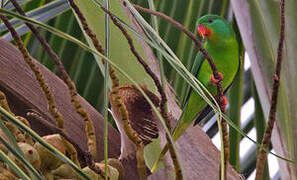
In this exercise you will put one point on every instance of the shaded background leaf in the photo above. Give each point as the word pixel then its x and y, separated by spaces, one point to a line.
pixel 259 24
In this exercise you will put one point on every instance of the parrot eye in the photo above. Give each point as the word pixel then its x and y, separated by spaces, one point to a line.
pixel 210 20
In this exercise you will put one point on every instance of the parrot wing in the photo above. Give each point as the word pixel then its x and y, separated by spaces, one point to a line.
pixel 195 70
pixel 208 109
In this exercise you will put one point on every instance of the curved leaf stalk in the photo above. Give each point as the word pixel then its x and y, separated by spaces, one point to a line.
pixel 48 146
pixel 54 130
pixel 90 130
pixel 131 133
pixel 222 171
pixel 262 155
pixel 174 64
pixel 22 159
pixel 106 78
pixel 176 164
pixel 70 38
pixel 19 136
pixel 197 42
pixel 170 56
pixel 44 86
pixel 40 78
pixel 143 63
pixel 73 92
pixel 14 135
pixel 185 50
pixel 117 100
pixel 225 151
pixel 29 35
pixel 163 104
pixel 11 164
pixel 220 92
pixel 14 149
pixel 161 86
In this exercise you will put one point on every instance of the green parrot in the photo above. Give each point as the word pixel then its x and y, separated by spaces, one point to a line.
pixel 221 44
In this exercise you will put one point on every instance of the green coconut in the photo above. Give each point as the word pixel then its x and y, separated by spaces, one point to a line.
pixel 31 155
pixel 118 165
pixel 48 160
pixel 112 172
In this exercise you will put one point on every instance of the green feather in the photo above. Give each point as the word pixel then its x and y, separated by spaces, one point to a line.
pixel 195 70
pixel 222 46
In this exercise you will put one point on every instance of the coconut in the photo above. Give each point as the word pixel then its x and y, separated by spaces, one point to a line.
pixel 48 160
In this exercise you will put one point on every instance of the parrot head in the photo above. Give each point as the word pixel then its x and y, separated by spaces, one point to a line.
pixel 213 27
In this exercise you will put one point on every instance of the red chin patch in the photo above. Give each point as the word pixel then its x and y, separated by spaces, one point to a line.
pixel 203 31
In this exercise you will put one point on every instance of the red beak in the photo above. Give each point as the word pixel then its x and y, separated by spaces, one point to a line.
pixel 203 31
